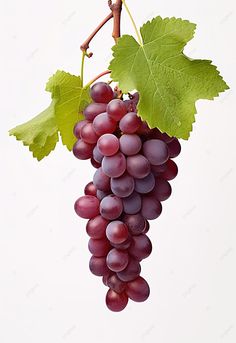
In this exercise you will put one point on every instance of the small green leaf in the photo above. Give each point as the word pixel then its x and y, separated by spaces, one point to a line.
pixel 72 99
pixel 168 81
pixel 69 99
pixel 40 134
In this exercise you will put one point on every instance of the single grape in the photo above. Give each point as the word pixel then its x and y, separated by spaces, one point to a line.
pixel 123 246
pixel 108 144
pixel 103 124
pixel 101 181
pixel 114 283
pixel 156 170
pixel 122 186
pixel 97 155
pixel 82 150
pixel 174 148
pixel 157 134
pixel 98 266
pixel 138 166
pixel 130 144
pixel 141 247
pixel 114 166
pixel 101 194
pixel 131 272
pixel 145 185
pixel 116 302
pixel 156 151
pixel 93 109
pixel 111 207
pixel 132 204
pixel 117 232
pixel 117 260
pixel 99 247
pixel 87 206
pixel 94 163
pixel 116 109
pixel 162 190
pixel 136 223
pixel 90 189
pixel 138 290
pixel 144 129
pixel 96 227
pixel 101 92
pixel 171 171
pixel 78 127
pixel 151 207
pixel 88 134
pixel 130 123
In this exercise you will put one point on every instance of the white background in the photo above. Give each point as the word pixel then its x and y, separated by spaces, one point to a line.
pixel 47 293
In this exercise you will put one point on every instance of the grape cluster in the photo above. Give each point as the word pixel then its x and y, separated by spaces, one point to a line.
pixel 134 166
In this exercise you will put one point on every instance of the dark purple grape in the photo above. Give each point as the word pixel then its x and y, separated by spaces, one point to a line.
pixel 88 134
pixel 93 109
pixel 156 151
pixel 117 232
pixel 106 276
pixel 123 246
pixel 111 207
pixel 101 92
pixel 114 283
pixel 116 302
pixel 99 247
pixel 96 227
pixel 101 181
pixel 141 247
pixel 87 207
pixel 95 164
pixel 108 144
pixel 103 124
pixel 151 207
pixel 116 109
pixel 145 185
pixel 117 260
pixel 101 194
pixel 131 272
pixel 130 123
pixel 147 227
pixel 122 186
pixel 114 166
pixel 171 171
pixel 156 170
pixel 132 204
pixel 135 222
pixel 162 190
pixel 138 290
pixel 78 127
pixel 144 129
pixel 98 266
pixel 82 150
pixel 174 148
pixel 130 144
pixel 138 166
pixel 157 134
pixel 97 155
pixel 90 189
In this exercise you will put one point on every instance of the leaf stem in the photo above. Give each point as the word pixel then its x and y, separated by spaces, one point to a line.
pixel 133 22
pixel 82 68
pixel 97 77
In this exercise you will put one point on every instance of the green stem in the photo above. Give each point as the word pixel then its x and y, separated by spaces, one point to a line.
pixel 133 22
pixel 82 68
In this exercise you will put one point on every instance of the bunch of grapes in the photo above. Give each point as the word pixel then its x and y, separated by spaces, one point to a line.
pixel 134 166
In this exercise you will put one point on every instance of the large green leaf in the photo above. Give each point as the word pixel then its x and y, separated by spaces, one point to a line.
pixel 169 82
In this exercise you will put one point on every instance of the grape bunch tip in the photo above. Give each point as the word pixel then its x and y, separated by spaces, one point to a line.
pixel 134 165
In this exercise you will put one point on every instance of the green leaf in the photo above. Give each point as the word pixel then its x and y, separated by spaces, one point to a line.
pixel 69 99
pixel 40 134
pixel 168 81
pixel 72 99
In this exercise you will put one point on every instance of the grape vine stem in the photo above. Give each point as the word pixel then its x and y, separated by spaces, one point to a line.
pixel 98 77
pixel 133 23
